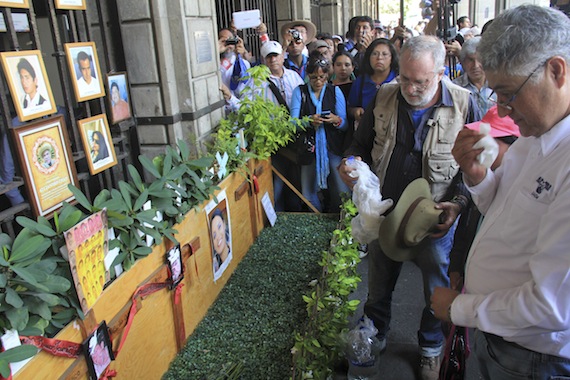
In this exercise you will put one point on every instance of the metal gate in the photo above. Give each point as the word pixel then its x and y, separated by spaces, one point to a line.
pixel 44 28
pixel 225 8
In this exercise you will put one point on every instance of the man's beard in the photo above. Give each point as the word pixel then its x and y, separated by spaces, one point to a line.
pixel 425 98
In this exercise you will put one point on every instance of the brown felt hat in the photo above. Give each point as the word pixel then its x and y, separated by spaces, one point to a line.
pixel 405 231
pixel 311 29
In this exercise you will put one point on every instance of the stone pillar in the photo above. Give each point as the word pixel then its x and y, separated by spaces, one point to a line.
pixel 172 62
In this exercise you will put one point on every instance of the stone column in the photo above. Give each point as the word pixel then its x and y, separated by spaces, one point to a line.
pixel 172 62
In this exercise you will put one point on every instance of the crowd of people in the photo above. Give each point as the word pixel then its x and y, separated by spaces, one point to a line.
pixel 395 99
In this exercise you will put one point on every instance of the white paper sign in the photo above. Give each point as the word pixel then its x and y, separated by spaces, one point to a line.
pixel 269 209
pixel 247 19
pixel 11 339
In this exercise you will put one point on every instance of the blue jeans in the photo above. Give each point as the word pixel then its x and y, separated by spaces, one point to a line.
pixel 7 171
pixel 285 198
pixel 334 182
pixel 383 274
pixel 336 185
pixel 502 360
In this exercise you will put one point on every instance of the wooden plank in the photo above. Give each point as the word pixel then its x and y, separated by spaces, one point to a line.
pixel 151 344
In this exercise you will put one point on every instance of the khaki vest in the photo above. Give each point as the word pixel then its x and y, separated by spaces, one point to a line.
pixel 438 165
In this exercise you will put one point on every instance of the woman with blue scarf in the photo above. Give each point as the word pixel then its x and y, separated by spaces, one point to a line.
pixel 326 107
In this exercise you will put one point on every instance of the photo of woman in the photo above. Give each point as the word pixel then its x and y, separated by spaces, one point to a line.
pixel 220 239
pixel 97 140
pixel 99 149
pixel 220 234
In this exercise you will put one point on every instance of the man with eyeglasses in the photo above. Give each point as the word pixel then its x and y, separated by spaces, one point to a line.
pixel 408 133
pixel 517 275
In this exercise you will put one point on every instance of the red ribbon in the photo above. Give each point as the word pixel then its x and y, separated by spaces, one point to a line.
pixel 109 373
pixel 55 347
pixel 255 184
pixel 142 291
pixel 178 293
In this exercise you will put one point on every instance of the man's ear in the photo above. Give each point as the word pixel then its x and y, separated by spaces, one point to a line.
pixel 558 69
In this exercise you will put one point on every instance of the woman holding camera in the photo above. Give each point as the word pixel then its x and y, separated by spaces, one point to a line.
pixel 325 106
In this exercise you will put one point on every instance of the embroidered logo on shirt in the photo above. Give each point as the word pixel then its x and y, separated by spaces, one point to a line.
pixel 542 185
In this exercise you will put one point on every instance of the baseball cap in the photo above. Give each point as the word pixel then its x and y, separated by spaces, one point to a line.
pixel 378 25
pixel 316 44
pixel 500 126
pixel 337 37
pixel 271 47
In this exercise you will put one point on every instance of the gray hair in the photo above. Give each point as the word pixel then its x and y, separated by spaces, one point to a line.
pixel 522 38
pixel 418 46
pixel 469 48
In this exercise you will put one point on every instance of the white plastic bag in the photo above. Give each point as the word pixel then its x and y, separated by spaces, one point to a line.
pixel 368 200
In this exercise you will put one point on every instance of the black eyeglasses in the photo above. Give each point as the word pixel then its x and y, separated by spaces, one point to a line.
pixel 507 104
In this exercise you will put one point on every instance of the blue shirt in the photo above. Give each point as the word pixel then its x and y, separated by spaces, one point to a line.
pixel 293 66
pixel 340 105
pixel 364 90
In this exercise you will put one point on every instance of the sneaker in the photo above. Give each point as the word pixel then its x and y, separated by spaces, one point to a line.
pixel 429 367
pixel 362 250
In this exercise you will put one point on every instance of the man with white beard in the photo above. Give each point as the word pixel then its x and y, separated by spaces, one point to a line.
pixel 407 134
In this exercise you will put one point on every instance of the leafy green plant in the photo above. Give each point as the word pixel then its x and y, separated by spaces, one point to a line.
pixel 316 348
pixel 190 180
pixel 13 355
pixel 266 126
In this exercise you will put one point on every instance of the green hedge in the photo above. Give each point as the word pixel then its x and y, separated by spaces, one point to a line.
pixel 253 320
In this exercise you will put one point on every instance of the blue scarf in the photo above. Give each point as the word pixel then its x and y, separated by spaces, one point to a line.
pixel 321 152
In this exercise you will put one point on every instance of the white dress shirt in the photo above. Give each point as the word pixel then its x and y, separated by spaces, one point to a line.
pixel 517 275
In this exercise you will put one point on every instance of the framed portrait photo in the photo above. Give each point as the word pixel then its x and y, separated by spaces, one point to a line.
pixel 29 84
pixel 219 226
pixel 98 143
pixel 70 4
pixel 47 164
pixel 98 351
pixel 119 99
pixel 85 71
pixel 15 3
pixel 175 267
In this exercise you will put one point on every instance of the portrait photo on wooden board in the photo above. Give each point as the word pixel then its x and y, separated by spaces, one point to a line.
pixel 98 351
pixel 175 267
pixel 118 95
pixel 97 143
pixel 15 3
pixel 71 4
pixel 47 164
pixel 29 84
pixel 219 225
pixel 85 71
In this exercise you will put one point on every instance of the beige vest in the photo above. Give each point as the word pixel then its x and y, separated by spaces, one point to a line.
pixel 438 165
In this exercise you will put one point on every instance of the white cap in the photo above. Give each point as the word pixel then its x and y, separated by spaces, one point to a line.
pixel 271 47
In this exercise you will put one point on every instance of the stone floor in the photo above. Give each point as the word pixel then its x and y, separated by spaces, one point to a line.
pixel 400 360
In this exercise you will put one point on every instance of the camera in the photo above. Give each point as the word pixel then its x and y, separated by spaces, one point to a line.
pixel 296 35
pixel 232 41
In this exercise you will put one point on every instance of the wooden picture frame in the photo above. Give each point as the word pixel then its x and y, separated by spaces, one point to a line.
pixel 119 97
pixel 83 56
pixel 97 143
pixel 47 164
pixel 15 4
pixel 29 84
pixel 71 4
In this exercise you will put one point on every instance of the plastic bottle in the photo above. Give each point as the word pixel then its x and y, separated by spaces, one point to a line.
pixel 363 352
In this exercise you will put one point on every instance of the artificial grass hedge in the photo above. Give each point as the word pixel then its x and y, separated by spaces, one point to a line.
pixel 256 313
